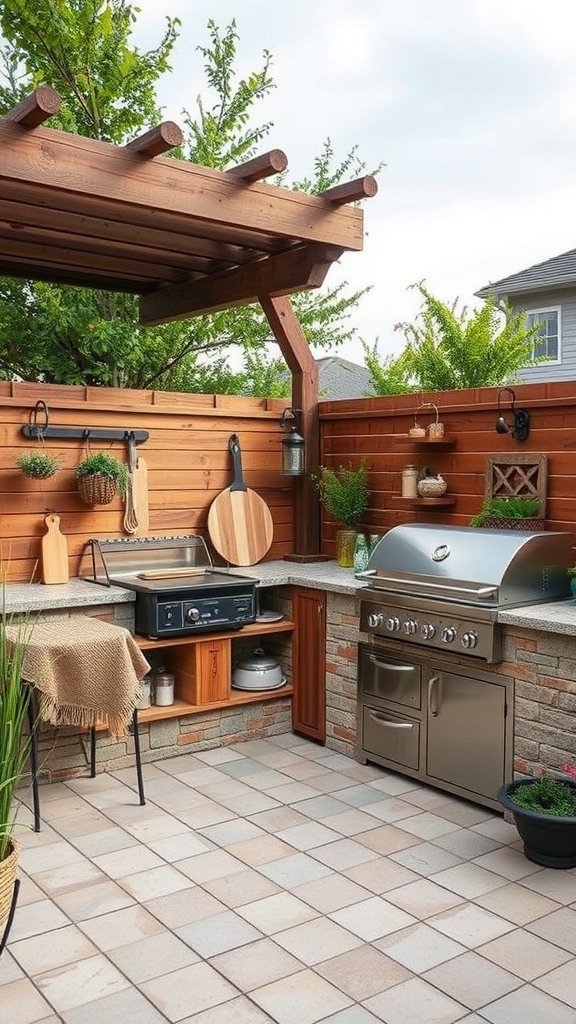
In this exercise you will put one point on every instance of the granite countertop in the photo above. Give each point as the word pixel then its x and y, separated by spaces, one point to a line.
pixel 552 617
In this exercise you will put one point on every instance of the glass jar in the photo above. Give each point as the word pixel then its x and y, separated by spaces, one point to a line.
pixel 144 693
pixel 410 482
pixel 361 553
pixel 163 687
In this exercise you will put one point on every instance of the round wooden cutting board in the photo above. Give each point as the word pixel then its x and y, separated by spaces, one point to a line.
pixel 239 520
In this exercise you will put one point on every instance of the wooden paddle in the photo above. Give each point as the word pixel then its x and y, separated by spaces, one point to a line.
pixel 54 553
pixel 239 521
pixel 136 515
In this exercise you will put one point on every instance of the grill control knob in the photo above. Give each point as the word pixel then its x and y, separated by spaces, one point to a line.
pixel 469 639
pixel 375 619
pixel 393 624
pixel 192 614
pixel 410 627
pixel 428 631
pixel 448 634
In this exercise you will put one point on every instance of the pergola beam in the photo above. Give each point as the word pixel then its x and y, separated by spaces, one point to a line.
pixel 158 140
pixel 36 108
pixel 297 269
pixel 351 191
pixel 260 167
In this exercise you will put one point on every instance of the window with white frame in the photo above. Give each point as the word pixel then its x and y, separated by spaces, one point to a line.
pixel 546 343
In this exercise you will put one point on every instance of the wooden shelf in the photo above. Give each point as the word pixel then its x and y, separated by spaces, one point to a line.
pixel 253 629
pixel 425 502
pixel 429 442
pixel 180 707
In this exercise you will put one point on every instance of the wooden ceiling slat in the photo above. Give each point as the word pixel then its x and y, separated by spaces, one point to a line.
pixel 60 256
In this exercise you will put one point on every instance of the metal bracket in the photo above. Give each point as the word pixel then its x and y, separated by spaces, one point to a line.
pixel 38 428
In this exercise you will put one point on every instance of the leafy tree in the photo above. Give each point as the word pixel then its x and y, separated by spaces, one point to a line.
pixel 447 349
pixel 108 89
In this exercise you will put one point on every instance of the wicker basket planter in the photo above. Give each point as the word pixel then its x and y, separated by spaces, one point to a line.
pixel 8 869
pixel 97 488
pixel 532 525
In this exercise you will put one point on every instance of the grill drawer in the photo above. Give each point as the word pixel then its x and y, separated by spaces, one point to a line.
pixel 389 679
pixel 391 737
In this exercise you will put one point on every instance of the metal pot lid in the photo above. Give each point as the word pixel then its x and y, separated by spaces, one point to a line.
pixel 258 661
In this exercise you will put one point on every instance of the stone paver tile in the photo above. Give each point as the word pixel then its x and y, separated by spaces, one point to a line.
pixel 80 982
pixel 471 980
pixel 468 880
pixel 558 927
pixel 93 900
pixel 302 998
pixel 22 1003
pixel 118 1008
pixel 372 918
pixel 260 963
pixel 419 948
pixel 317 940
pixel 330 893
pixel 152 957
pixel 470 925
pixel 35 918
pixel 196 987
pixel 415 1002
pixel 524 954
pixel 525 1005
pixel 362 972
pixel 213 935
pixel 423 897
pixel 277 912
pixel 51 949
pixel 180 908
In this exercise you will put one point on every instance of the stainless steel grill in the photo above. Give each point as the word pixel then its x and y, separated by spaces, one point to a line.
pixel 442 586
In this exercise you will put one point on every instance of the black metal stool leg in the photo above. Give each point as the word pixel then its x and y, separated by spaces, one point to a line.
pixel 32 717
pixel 92 753
pixel 138 758
pixel 10 917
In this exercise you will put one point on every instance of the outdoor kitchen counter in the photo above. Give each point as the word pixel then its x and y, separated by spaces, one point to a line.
pixel 318 575
pixel 555 617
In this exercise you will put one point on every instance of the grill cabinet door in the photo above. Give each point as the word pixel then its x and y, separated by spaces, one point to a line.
pixel 389 678
pixel 465 738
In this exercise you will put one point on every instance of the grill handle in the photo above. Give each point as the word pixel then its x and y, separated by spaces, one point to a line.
pixel 432 683
pixel 391 668
pixel 386 721
pixel 481 593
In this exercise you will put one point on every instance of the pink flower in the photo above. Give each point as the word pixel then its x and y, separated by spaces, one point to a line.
pixel 570 769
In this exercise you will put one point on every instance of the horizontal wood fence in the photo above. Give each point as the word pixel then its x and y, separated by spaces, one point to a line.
pixel 377 429
pixel 189 462
pixel 187 456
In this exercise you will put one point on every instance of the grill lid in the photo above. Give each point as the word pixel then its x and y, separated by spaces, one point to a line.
pixel 475 566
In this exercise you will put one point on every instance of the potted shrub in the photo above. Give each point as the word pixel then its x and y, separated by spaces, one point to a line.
pixel 38 465
pixel 100 477
pixel 572 574
pixel 509 513
pixel 344 494
pixel 14 751
pixel 544 812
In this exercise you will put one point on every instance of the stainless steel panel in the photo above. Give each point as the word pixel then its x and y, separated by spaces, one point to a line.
pixel 389 736
pixel 388 678
pixel 465 731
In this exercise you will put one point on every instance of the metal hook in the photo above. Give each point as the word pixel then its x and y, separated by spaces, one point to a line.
pixel 39 409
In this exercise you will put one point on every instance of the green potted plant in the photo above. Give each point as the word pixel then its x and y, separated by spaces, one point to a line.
pixel 38 465
pixel 544 812
pixel 100 477
pixel 14 751
pixel 509 513
pixel 344 494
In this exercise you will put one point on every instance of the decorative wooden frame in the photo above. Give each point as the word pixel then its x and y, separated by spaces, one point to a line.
pixel 518 476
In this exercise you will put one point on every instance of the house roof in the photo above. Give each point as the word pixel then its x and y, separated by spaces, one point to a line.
pixel 187 239
pixel 556 272
pixel 338 378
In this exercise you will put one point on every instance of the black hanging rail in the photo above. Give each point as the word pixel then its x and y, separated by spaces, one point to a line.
pixel 38 428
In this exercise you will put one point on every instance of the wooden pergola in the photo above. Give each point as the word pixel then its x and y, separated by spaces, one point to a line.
pixel 188 240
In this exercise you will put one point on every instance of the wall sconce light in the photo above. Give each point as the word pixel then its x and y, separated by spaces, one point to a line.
pixel 293 446
pixel 520 426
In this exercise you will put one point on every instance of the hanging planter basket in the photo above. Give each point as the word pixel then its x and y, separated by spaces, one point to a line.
pixel 97 488
pixel 8 869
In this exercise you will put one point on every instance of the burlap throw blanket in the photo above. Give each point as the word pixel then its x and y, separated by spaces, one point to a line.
pixel 85 671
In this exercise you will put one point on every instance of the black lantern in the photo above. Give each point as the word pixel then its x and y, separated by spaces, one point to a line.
pixel 520 426
pixel 293 446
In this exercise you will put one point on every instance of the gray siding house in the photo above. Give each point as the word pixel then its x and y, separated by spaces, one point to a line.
pixel 546 292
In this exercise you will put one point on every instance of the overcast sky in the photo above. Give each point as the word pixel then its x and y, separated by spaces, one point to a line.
pixel 470 103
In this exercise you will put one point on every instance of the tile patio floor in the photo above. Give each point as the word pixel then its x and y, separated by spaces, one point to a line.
pixel 277 881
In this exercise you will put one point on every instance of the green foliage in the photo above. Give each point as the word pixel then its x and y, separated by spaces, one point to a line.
pixel 107 465
pixel 14 698
pixel 506 508
pixel 389 375
pixel 80 336
pixel 447 349
pixel 38 465
pixel 343 492
pixel 546 795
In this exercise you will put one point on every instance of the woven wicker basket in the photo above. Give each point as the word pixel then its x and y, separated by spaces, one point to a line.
pixel 8 869
pixel 96 488
pixel 532 525
pixel 431 487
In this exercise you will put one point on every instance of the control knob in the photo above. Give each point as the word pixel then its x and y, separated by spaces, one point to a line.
pixel 448 635
pixel 192 614
pixel 393 624
pixel 428 631
pixel 469 639
pixel 375 619
pixel 410 626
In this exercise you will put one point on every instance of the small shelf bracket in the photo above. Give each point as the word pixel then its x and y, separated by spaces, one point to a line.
pixel 38 428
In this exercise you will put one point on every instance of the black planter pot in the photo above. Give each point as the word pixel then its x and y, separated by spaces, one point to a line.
pixel 548 840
